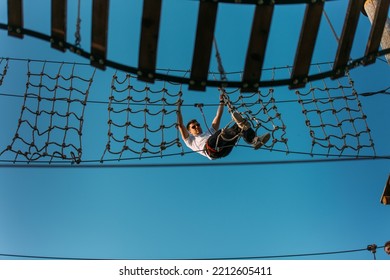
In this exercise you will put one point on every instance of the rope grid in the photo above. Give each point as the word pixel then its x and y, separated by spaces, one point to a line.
pixel 124 132
pixel 253 106
pixel 52 114
pixel 336 122
pixel 142 118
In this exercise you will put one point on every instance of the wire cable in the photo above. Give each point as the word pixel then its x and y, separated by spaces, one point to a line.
pixel 8 164
pixel 214 258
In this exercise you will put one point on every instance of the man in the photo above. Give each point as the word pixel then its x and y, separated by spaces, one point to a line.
pixel 217 143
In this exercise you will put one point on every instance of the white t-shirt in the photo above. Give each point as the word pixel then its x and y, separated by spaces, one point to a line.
pixel 197 143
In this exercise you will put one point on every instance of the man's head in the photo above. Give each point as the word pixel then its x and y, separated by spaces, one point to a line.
pixel 194 128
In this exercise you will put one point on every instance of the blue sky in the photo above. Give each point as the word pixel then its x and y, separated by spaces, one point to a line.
pixel 189 212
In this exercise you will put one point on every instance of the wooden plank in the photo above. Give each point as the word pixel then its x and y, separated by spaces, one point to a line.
pixel 378 25
pixel 15 18
pixel 58 24
pixel 99 33
pixel 306 44
pixel 203 45
pixel 347 36
pixel 257 46
pixel 149 40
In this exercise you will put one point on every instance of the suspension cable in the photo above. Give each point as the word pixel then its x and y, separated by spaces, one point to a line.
pixel 213 258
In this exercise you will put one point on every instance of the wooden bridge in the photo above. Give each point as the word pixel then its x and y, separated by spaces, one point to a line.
pixel 198 80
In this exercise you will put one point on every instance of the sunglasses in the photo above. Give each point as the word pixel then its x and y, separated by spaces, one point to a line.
pixel 195 125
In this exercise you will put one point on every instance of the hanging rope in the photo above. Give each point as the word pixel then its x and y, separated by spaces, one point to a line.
pixel 200 107
pixel 4 73
pixel 77 34
pixel 331 26
pixel 223 77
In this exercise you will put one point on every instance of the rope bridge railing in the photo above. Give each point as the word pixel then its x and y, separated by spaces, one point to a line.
pixel 142 117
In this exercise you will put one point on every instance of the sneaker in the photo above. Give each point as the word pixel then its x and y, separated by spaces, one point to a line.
pixel 259 141
pixel 240 121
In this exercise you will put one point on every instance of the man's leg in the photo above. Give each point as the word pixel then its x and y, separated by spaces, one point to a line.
pixel 221 144
pixel 250 136
pixel 240 120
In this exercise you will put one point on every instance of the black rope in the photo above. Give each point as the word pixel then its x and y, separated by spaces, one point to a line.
pixel 77 34
pixel 183 164
pixel 383 91
pixel 215 258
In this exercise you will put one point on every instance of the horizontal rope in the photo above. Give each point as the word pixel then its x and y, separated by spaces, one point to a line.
pixel 184 164
pixel 215 258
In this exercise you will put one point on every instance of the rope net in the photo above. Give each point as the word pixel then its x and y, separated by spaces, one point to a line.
pixel 260 109
pixel 132 110
pixel 139 117
pixel 336 123
pixel 52 114
pixel 142 119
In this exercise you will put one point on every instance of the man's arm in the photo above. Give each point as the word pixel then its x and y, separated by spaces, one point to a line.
pixel 217 120
pixel 180 125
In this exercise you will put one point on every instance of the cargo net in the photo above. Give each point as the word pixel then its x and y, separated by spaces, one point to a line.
pixel 141 119
pixel 336 122
pixel 260 109
pixel 52 114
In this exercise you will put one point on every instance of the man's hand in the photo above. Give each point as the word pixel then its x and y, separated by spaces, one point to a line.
pixel 180 124
pixel 179 102
pixel 221 99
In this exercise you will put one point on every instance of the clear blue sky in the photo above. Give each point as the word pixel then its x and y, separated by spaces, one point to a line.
pixel 193 212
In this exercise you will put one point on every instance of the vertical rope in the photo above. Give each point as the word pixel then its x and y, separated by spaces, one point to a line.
pixel 77 34
pixel 4 73
pixel 52 111
pixel 222 74
pixel 331 26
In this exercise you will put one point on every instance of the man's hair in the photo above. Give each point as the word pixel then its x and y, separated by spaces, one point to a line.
pixel 190 122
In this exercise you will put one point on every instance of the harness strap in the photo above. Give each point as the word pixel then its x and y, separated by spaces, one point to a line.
pixel 209 148
pixel 211 151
